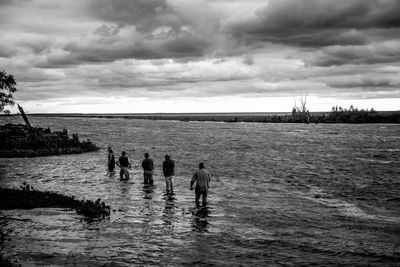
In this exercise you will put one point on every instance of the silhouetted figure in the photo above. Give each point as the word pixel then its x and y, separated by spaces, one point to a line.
pixel 148 167
pixel 111 160
pixel 169 173
pixel 202 179
pixel 125 165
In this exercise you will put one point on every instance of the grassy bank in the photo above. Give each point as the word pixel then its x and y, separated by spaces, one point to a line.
pixel 4 262
pixel 28 198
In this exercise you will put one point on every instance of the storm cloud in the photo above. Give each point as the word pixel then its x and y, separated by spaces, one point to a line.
pixel 174 49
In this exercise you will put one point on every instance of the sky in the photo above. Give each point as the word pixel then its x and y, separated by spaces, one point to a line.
pixel 152 56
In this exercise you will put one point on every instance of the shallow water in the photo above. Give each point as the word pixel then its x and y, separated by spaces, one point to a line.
pixel 281 194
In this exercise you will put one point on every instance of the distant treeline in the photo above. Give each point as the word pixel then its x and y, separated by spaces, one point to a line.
pixel 351 115
pixel 336 115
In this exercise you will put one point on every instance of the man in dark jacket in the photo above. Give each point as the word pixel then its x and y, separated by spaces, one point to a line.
pixel 148 167
pixel 111 160
pixel 169 173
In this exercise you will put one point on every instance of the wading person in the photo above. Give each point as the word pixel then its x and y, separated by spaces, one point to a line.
pixel 202 179
pixel 111 160
pixel 125 165
pixel 148 167
pixel 169 173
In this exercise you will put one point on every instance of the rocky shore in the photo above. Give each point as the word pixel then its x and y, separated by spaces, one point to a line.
pixel 20 141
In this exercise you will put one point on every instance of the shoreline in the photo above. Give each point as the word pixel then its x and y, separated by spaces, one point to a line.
pixel 356 117
pixel 26 197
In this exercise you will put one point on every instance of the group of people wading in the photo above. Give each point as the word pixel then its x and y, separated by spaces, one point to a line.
pixel 201 178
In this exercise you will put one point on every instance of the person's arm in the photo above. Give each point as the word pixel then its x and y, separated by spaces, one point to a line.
pixel 194 178
pixel 129 165
pixel 118 164
pixel 152 165
pixel 164 168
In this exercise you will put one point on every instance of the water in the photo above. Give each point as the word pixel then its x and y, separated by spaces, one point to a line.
pixel 281 194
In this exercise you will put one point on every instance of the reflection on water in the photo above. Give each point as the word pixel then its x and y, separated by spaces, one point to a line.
pixel 281 194
pixel 148 191
pixel 199 222
pixel 169 215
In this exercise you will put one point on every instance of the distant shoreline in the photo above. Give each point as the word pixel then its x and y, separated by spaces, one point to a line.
pixel 262 117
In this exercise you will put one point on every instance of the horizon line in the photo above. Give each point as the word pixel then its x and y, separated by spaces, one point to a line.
pixel 172 113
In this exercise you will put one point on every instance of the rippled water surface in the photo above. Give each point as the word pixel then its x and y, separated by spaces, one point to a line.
pixel 281 194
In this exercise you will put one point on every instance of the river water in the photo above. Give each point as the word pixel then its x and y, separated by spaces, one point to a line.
pixel 281 194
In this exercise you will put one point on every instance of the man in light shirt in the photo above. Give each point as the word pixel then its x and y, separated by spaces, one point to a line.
pixel 125 165
pixel 202 179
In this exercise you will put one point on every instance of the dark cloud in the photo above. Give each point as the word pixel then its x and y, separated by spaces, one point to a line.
pixel 146 15
pixel 13 2
pixel 312 38
pixel 369 83
pixel 144 29
pixel 6 50
pixel 106 31
pixel 139 49
pixel 318 22
pixel 374 53
pixel 158 49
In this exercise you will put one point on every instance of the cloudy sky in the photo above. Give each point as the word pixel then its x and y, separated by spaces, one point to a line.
pixel 125 56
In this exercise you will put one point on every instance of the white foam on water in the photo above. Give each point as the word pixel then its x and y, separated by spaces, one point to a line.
pixel 344 207
pixel 377 160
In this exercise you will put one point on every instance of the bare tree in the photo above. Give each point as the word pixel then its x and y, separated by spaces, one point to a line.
pixel 301 112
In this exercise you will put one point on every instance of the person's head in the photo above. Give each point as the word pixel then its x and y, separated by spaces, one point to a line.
pixel 146 155
pixel 201 165
pixel 167 157
pixel 123 153
pixel 109 149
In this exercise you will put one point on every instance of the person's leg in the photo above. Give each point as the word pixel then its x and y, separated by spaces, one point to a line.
pixel 150 178
pixel 127 174
pixel 121 174
pixel 171 184
pixel 197 198
pixel 144 177
pixel 204 198
pixel 166 184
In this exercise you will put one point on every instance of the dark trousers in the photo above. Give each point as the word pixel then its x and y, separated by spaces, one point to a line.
pixel 202 193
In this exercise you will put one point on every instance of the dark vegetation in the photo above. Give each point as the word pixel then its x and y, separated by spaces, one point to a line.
pixel 26 197
pixel 17 140
pixel 4 262
pixel 337 116
pixel 351 115
pixel 8 86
